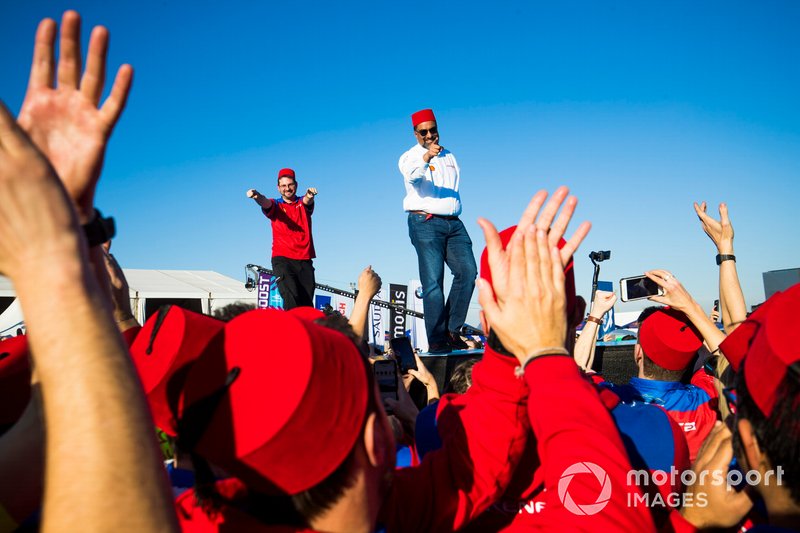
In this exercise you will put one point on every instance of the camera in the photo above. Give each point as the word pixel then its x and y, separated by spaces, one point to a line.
pixel 600 256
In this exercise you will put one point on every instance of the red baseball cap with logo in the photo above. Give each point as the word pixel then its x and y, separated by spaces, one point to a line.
pixel 164 350
pixel 423 115
pixel 286 173
pixel 281 406
pixel 765 345
pixel 669 339
pixel 569 272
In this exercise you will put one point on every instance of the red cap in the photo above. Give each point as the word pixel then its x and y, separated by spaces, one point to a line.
pixel 765 345
pixel 293 411
pixel 424 115
pixel 569 272
pixel 669 339
pixel 15 379
pixel 163 352
pixel 286 173
pixel 309 314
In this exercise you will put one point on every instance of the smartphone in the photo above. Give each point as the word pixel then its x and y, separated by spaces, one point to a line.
pixel 716 305
pixel 386 375
pixel 404 353
pixel 638 288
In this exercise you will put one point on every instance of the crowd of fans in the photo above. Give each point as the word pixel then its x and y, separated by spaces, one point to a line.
pixel 273 421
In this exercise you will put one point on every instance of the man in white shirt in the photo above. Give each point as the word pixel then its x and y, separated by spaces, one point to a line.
pixel 431 176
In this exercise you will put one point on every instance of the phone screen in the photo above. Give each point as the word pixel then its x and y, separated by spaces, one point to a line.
pixel 386 376
pixel 639 287
pixel 401 346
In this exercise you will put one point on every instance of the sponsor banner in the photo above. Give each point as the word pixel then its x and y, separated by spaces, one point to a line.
pixel 378 319
pixel 268 295
pixel 321 301
pixel 398 294
pixel 342 304
pixel 264 283
pixel 419 338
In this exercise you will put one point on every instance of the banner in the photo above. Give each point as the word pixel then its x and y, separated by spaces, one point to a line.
pixel 321 301
pixel 398 294
pixel 419 337
pixel 378 318
pixel 268 295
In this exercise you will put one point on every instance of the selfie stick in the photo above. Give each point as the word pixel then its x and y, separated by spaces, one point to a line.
pixel 596 257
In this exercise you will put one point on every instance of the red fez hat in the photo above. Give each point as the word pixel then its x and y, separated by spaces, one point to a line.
pixel 309 314
pixel 424 115
pixel 569 272
pixel 286 173
pixel 15 379
pixel 291 398
pixel 669 339
pixel 164 351
pixel 765 346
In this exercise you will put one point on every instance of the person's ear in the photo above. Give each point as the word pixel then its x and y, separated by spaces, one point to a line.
pixel 638 355
pixel 751 449
pixel 375 443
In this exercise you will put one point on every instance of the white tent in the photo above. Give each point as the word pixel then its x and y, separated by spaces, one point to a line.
pixel 198 290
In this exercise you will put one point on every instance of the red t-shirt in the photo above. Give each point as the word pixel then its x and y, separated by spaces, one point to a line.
pixel 291 229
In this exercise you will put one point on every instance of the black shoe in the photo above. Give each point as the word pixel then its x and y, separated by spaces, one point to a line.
pixel 439 348
pixel 457 342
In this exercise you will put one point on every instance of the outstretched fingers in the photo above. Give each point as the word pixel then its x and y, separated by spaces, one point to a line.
pixel 69 61
pixel 569 249
pixel 94 77
pixel 559 227
pixel 42 69
pixel 551 208
pixel 528 217
pixel 115 103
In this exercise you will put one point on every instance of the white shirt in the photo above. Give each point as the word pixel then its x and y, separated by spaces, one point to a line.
pixel 431 187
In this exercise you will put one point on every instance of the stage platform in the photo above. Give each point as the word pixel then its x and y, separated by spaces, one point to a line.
pixel 614 361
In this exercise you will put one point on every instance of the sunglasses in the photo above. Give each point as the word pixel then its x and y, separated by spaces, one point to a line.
pixel 424 133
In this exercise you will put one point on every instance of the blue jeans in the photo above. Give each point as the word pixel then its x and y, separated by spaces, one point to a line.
pixel 439 241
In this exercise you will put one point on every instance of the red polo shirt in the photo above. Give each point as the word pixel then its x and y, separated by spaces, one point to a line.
pixel 291 229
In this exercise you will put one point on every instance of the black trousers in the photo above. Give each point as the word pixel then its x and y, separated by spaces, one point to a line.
pixel 295 281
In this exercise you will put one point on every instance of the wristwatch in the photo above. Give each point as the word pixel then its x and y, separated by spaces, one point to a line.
pixel 99 229
pixel 725 257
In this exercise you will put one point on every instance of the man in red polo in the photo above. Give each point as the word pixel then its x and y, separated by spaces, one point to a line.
pixel 292 243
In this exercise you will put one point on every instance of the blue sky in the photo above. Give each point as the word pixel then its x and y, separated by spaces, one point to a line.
pixel 640 107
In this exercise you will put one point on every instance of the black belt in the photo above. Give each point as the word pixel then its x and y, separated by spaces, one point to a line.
pixel 431 215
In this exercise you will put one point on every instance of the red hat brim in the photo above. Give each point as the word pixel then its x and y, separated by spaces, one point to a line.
pixel 163 352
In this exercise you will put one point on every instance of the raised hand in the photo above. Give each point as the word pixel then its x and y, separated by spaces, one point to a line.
pixel 675 294
pixel 603 302
pixel 369 282
pixel 37 224
pixel 60 112
pixel 719 231
pixel 529 312
pixel 526 303
pixel 311 192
